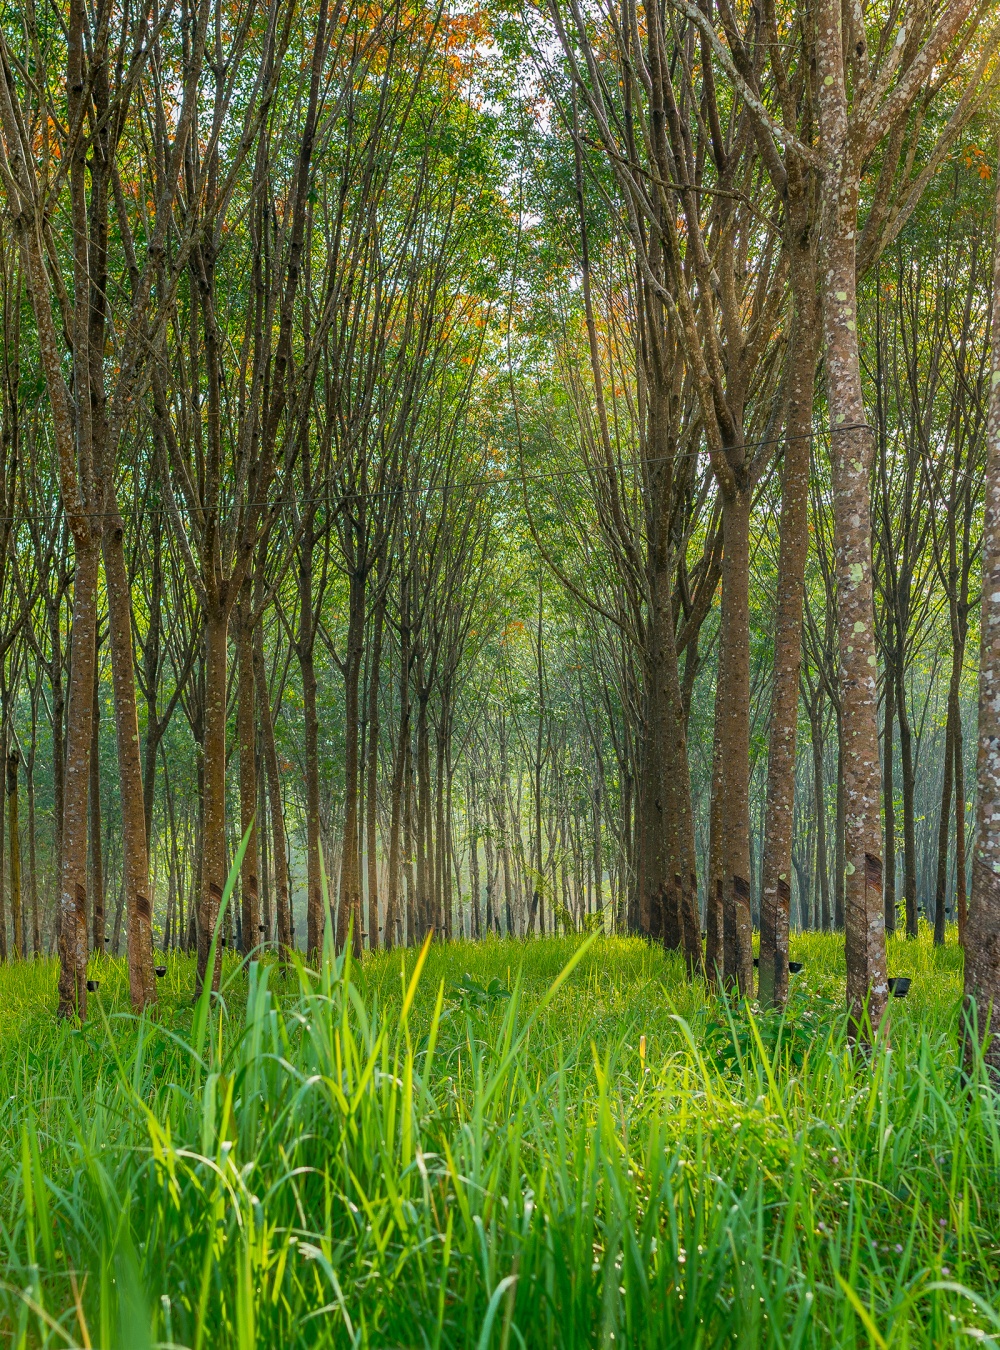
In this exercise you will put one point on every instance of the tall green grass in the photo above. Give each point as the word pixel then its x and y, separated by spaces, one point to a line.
pixel 520 1144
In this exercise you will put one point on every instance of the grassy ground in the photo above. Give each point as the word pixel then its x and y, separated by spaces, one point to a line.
pixel 493 1156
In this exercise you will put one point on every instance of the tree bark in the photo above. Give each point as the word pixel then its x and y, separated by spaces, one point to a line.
pixel 371 803
pixel 213 846
pixel 36 932
pixel 851 451
pixel 396 805
pixel 246 719
pixel 422 811
pixel 909 787
pixel 779 816
pixel 474 879
pixel 350 865
pixel 889 804
pixel 982 927
pixel 73 877
pixel 16 908
pixel 412 918
pixel 305 651
pixel 96 831
pixel 135 836
pixel 732 711
pixel 945 819
pixel 960 865
pixel 278 846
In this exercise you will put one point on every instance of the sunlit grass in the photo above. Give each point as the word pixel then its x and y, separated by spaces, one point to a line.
pixel 621 1161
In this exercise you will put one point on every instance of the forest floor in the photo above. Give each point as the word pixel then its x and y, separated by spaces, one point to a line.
pixel 504 1152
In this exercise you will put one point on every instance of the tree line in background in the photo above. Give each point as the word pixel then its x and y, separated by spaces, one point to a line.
pixel 533 468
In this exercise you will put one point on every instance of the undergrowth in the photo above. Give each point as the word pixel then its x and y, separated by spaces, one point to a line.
pixel 557 1142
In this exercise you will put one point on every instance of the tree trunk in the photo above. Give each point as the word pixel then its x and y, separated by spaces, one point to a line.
pixel 371 803
pixel 266 916
pixel 250 873
pixel 715 921
pixel 408 847
pixel 4 952
pixel 776 867
pixel 151 661
pixel 851 451
pixel 732 711
pixel 838 842
pixel 599 856
pixel 945 820
pixel 677 883
pixel 278 847
pixel 36 932
pixel 58 755
pixel 909 826
pixel 73 877
pixel 135 830
pixel 960 873
pixel 350 864
pixel 474 881
pixel 423 839
pixel 96 840
pixel 889 803
pixel 305 650
pixel 213 846
pixel 16 909
pixel 982 927
pixel 441 868
pixel 819 794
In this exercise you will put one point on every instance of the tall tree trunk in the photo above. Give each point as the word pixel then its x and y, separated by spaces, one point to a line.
pixel 794 546
pixel 409 846
pixel 305 650
pixel 135 834
pixel 474 880
pixel 246 719
pixel 396 804
pixel 4 741
pixel 96 831
pixel 36 931
pixel 732 712
pixel 819 795
pixel 909 785
pixel 852 446
pixel 423 838
pixel 489 845
pixel 442 888
pixel 889 803
pixel 945 820
pixel 982 927
pixel 960 873
pixel 678 882
pixel 350 863
pixel 278 847
pixel 16 908
pixel 213 846
pixel 537 896
pixel 266 917
pixel 58 753
pixel 715 919
pixel 73 877
pixel 838 842
pixel 371 803
pixel 151 662
pixel 599 853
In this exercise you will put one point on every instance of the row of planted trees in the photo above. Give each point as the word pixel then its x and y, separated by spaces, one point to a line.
pixel 742 179
pixel 421 412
